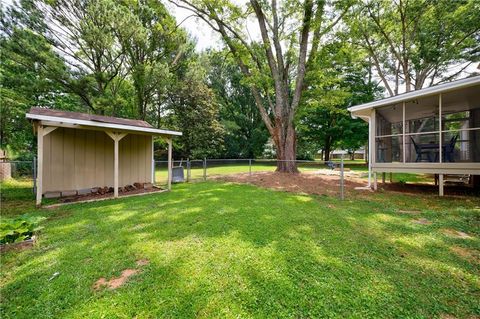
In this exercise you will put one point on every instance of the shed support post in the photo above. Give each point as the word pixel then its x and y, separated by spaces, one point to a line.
pixel 116 137
pixel 115 168
pixel 440 184
pixel 40 165
pixel 169 141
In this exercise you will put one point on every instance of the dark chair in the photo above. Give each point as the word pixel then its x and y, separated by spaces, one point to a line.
pixel 420 152
pixel 449 150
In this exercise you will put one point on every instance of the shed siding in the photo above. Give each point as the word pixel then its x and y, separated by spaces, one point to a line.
pixel 76 159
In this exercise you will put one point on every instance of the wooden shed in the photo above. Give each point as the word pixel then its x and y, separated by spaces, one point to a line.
pixel 79 151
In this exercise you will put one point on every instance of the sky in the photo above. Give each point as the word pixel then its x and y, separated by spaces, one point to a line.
pixel 205 36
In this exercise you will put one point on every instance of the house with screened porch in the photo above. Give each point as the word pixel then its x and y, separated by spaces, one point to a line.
pixel 435 130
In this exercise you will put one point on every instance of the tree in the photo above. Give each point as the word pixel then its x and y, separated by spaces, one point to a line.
pixel 417 43
pixel 192 108
pixel 276 67
pixel 339 79
pixel 245 133
pixel 152 50
pixel 24 83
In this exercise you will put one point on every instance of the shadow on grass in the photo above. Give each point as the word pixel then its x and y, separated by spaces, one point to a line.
pixel 224 250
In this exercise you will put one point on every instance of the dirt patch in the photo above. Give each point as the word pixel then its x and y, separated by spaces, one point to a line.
pixel 472 256
pixel 408 212
pixel 422 221
pixel 116 282
pixel 142 262
pixel 308 183
pixel 456 233
pixel 26 244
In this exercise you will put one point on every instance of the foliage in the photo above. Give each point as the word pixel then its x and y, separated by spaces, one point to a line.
pixel 417 43
pixel 227 250
pixel 274 66
pixel 245 133
pixel 337 81
pixel 19 229
pixel 196 113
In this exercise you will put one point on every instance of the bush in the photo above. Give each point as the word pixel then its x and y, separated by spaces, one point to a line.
pixel 19 229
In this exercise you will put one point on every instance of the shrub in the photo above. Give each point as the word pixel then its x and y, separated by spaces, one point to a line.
pixel 19 229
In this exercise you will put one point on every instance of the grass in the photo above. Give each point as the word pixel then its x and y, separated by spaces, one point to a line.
pixel 215 169
pixel 228 251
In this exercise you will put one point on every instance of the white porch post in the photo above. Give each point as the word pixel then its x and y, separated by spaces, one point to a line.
pixel 169 141
pixel 40 164
pixel 116 137
pixel 440 184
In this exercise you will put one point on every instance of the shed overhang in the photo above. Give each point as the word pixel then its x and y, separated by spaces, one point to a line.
pixel 86 124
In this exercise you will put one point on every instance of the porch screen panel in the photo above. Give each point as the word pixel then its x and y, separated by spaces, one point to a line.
pixel 461 125
pixel 389 134
pixel 422 130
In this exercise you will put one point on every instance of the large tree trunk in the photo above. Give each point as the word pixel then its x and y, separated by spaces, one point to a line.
pixel 286 147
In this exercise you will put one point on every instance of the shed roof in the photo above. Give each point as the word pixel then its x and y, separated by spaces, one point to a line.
pixel 91 120
pixel 475 80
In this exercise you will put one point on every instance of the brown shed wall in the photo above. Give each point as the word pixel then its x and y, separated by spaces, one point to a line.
pixel 76 159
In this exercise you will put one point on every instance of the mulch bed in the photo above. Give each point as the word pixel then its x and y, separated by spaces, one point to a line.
pixel 297 183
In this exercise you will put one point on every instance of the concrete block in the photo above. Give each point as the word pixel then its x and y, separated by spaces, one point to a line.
pixel 147 185
pixel 69 193
pixel 52 194
pixel 84 191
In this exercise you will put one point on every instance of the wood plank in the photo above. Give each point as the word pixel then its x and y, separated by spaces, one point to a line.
pixel 68 159
pixel 80 161
pixel 47 163
pixel 57 163
pixel 89 168
pixel 100 159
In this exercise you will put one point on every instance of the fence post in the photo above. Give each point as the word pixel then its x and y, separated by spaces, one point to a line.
pixel 204 168
pixel 188 170
pixel 250 166
pixel 342 195
pixel 34 174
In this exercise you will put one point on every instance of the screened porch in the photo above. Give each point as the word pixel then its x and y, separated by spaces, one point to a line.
pixel 440 128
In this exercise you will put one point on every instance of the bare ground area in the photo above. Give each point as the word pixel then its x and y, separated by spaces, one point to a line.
pixel 308 183
pixel 319 184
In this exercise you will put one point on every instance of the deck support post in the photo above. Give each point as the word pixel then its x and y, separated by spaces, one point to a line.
pixel 40 165
pixel 440 185
pixel 391 177
pixel 169 183
pixel 375 184
pixel 383 178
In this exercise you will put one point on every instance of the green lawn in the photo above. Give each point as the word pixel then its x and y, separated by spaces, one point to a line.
pixel 229 251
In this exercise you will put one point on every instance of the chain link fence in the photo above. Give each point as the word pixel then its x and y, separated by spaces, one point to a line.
pixel 198 170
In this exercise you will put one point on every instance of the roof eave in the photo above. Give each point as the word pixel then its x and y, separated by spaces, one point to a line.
pixel 106 126
pixel 418 93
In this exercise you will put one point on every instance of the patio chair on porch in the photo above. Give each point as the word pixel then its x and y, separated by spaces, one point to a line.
pixel 449 150
pixel 421 152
